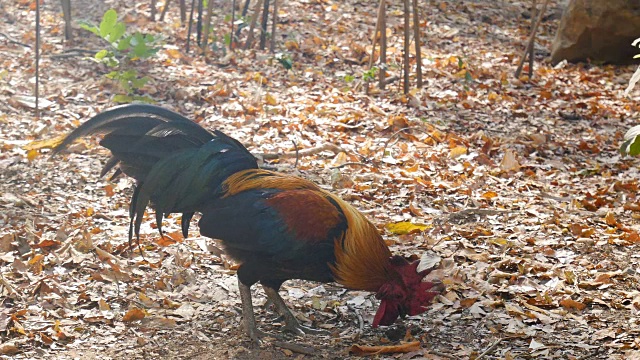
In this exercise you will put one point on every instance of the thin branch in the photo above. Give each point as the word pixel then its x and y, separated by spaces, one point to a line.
pixel 384 149
pixel 305 152
pixel 441 354
pixel 416 37
pixel 407 39
pixel 295 146
pixel 10 288
pixel 11 40
pixel 193 5
pixel 274 21
pixel 351 164
pixel 207 28
pixel 252 26
pixel 37 90
pixel 490 348
pixel 306 350
pixel 534 8
pixel 532 38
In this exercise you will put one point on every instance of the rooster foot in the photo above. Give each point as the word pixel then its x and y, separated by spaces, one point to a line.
pixel 296 328
pixel 291 323
pixel 256 335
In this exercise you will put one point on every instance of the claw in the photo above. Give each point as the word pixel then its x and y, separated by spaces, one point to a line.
pixel 296 328
pixel 291 323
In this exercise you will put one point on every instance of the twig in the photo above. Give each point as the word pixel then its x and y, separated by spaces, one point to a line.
pixel 351 164
pixel 382 81
pixel 165 9
pixel 384 149
pixel 9 287
pixel 306 152
pixel 72 52
pixel 490 348
pixel 263 24
pixel 374 42
pixel 252 26
pixel 295 146
pixel 359 316
pixel 295 347
pixel 11 40
pixel 233 20
pixel 441 354
pixel 416 38
pixel 407 39
pixel 531 38
pixel 534 8
pixel 37 90
pixel 193 5
pixel 207 28
pixel 274 20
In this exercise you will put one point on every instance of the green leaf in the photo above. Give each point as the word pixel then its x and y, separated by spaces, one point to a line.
pixel 116 32
pixel 139 83
pixel 102 54
pixel 631 144
pixel 144 98
pixel 122 98
pixel 634 147
pixel 124 43
pixel 129 75
pixel 109 20
pixel 89 27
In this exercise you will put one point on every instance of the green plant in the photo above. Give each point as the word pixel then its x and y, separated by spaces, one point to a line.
pixel 370 74
pixel 285 60
pixel 124 49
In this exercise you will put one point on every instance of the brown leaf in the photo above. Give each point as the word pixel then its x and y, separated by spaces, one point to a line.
pixel 9 349
pixel 572 304
pixel 134 314
pixel 509 162
pixel 363 350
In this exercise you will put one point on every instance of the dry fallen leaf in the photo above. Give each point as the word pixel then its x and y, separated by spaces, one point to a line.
pixel 363 350
pixel 405 227
pixel 572 304
pixel 134 314
pixel 509 161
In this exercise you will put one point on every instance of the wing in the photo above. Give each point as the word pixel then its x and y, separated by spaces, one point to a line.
pixel 281 225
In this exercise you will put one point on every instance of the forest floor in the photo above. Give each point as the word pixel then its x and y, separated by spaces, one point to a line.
pixel 513 188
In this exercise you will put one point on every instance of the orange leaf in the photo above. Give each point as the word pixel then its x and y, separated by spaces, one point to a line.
pixel 170 238
pixel 457 151
pixel 108 189
pixel 363 350
pixel 134 314
pixel 45 244
pixel 489 195
pixel 572 304
pixel 610 219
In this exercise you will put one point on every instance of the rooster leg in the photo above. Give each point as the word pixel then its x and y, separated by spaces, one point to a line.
pixel 290 320
pixel 248 315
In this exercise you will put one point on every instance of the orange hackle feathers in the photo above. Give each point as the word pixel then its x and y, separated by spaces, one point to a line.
pixel 362 258
pixel 262 179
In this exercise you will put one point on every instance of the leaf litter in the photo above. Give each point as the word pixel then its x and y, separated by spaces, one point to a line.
pixel 512 188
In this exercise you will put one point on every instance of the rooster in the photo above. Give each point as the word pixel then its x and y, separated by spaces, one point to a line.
pixel 276 226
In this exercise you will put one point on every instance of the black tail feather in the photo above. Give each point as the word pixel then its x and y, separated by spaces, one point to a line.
pixel 179 166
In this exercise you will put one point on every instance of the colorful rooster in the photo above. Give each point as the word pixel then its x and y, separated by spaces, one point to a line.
pixel 278 227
